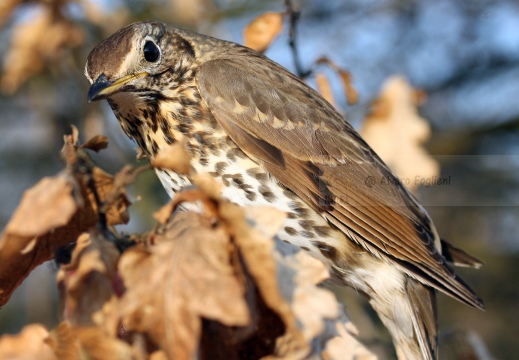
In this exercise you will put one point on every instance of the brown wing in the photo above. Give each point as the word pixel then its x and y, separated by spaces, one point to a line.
pixel 302 141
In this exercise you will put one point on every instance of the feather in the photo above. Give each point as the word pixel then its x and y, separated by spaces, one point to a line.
pixel 327 164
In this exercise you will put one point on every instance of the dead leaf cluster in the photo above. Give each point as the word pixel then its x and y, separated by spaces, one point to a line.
pixel 53 214
pixel 208 284
pixel 37 42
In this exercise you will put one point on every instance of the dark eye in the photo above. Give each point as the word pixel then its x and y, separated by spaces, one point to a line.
pixel 151 51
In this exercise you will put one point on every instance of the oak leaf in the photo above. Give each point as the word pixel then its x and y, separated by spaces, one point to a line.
pixel 397 133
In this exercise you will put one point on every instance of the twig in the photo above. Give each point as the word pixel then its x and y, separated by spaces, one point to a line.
pixel 85 167
pixel 293 16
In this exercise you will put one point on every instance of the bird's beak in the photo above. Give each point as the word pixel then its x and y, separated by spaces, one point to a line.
pixel 103 88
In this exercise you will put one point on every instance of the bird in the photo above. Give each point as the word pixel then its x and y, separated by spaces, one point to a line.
pixel 270 139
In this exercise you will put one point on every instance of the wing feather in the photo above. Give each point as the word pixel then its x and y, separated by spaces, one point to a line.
pixel 325 162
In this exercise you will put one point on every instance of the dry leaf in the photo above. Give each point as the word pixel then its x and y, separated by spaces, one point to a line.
pixel 36 42
pixel 64 343
pixel 345 346
pixel 324 88
pixel 51 215
pixel 208 186
pixel 257 251
pixel 69 150
pixel 46 219
pixel 316 309
pixel 261 31
pixel 158 355
pixel 210 284
pixel 96 143
pixel 396 132
pixel 352 96
pixel 86 342
pixel 311 304
pixel 112 192
pixel 174 157
pixel 7 8
pixel 96 345
pixel 163 214
pixel 266 219
pixel 87 281
pixel 188 275
pixel 47 206
pixel 29 344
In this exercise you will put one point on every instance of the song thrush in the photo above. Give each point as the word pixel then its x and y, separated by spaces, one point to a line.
pixel 271 139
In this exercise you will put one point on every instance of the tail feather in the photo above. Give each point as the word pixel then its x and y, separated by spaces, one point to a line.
pixel 458 257
pixel 422 300
pixel 411 319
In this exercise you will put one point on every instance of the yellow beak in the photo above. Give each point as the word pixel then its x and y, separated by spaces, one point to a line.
pixel 103 88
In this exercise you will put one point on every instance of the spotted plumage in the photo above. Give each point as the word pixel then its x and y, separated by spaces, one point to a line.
pixel 272 140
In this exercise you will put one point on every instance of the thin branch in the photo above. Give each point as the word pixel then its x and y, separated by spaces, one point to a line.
pixel 293 16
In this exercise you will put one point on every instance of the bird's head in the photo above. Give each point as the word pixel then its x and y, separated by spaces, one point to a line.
pixel 133 59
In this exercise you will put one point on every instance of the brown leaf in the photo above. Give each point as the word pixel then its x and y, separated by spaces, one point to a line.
pixel 35 43
pixel 47 218
pixel 112 191
pixel 158 355
pixel 172 285
pixel 86 342
pixel 261 31
pixel 53 214
pixel 209 187
pixel 396 132
pixel 69 150
pixel 352 96
pixel 311 305
pixel 266 219
pixel 324 88
pixel 87 281
pixel 48 205
pixel 174 157
pixel 64 343
pixel 29 344
pixel 163 214
pixel 345 346
pixel 7 8
pixel 315 308
pixel 97 143
pixel 257 251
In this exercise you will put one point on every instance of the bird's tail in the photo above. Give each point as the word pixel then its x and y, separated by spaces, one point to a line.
pixel 412 321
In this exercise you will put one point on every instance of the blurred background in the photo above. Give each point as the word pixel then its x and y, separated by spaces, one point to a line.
pixel 464 55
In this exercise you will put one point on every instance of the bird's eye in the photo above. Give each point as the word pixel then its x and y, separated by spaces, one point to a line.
pixel 151 51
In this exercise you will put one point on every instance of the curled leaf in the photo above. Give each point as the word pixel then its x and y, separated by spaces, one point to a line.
pixel 87 281
pixel 324 88
pixel 46 219
pixel 187 276
pixel 96 143
pixel 352 96
pixel 261 31
pixel 174 157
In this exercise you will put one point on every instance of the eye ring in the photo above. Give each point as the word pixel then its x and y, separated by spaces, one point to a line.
pixel 151 51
